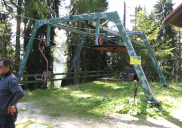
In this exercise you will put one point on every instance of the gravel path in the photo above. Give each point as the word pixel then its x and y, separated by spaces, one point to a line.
pixel 27 111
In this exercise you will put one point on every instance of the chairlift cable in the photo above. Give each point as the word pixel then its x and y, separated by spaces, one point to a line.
pixel 77 31
pixel 84 33
pixel 37 39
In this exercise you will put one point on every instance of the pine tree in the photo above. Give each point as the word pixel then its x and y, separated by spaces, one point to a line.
pixel 166 36
pixel 148 26
pixel 6 46
pixel 11 6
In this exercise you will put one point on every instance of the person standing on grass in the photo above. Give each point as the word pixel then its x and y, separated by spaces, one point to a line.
pixel 10 94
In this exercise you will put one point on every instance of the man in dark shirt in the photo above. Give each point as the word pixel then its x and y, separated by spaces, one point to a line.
pixel 10 94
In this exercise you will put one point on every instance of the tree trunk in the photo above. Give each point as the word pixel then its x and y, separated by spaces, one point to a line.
pixel 52 66
pixel 85 69
pixel 77 69
pixel 179 71
pixel 17 51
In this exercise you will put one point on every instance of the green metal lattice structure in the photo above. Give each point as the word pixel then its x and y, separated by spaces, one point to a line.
pixel 94 19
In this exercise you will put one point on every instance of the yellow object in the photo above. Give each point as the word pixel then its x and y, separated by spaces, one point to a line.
pixel 135 60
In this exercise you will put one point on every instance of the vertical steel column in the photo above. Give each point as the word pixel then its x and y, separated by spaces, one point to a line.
pixel 161 76
pixel 97 29
pixel 48 34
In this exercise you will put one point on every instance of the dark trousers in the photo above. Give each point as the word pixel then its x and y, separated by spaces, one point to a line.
pixel 7 120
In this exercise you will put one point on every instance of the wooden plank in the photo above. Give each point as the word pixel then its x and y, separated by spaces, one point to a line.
pixel 108 79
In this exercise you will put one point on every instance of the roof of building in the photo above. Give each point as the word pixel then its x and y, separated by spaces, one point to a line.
pixel 175 17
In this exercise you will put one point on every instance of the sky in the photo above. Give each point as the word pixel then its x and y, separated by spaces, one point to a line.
pixel 118 5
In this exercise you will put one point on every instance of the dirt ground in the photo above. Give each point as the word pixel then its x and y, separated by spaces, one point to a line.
pixel 27 111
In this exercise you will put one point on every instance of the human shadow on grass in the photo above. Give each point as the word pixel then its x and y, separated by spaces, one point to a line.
pixel 141 121
pixel 169 118
pixel 174 121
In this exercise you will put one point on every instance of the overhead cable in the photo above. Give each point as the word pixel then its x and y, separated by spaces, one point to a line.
pixel 62 27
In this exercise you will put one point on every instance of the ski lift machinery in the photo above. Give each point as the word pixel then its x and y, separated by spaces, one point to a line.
pixel 122 35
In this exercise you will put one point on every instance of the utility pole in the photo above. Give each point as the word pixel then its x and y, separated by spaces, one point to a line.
pixel 134 20
pixel 124 17
pixel 135 17
pixel 179 73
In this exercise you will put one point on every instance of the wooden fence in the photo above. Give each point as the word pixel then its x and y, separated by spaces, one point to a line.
pixel 86 74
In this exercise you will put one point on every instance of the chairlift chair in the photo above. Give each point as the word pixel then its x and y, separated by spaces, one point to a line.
pixel 44 78
pixel 46 74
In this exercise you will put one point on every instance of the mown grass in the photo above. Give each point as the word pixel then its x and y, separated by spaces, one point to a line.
pixel 97 99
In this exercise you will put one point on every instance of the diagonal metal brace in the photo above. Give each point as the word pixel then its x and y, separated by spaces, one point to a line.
pixel 154 60
pixel 77 53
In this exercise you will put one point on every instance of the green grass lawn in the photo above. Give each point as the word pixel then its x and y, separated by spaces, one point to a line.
pixel 97 99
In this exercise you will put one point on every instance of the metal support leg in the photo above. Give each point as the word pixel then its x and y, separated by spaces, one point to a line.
pixel 28 48
pixel 154 60
pixel 63 83
pixel 131 52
